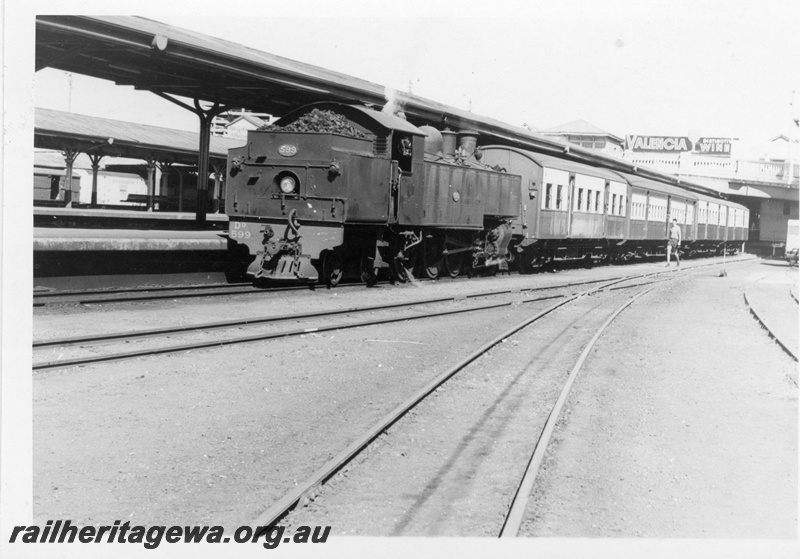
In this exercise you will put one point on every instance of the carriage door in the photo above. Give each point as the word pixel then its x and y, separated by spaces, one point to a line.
pixel 570 204
pixel 606 207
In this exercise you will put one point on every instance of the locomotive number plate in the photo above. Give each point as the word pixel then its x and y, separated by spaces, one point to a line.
pixel 288 150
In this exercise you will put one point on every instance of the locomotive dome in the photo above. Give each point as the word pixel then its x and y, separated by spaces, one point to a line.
pixel 434 141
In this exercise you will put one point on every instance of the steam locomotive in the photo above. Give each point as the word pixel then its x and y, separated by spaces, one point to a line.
pixel 334 189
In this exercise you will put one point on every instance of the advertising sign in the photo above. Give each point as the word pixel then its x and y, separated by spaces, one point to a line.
pixel 714 146
pixel 658 143
pixel 675 144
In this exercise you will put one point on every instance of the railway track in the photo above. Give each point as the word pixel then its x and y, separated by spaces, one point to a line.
pixel 186 373
pixel 142 294
pixel 79 343
pixel 51 298
pixel 783 331
pixel 124 337
pixel 519 504
pixel 309 489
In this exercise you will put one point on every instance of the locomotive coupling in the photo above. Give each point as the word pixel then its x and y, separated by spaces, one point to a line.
pixel 283 258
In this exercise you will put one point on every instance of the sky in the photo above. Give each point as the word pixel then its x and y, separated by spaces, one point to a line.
pixel 657 67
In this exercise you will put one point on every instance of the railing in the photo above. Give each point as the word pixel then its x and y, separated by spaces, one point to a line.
pixel 689 164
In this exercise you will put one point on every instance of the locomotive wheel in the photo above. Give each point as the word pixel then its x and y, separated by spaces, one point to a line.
pixel 369 274
pixel 399 271
pixel 403 268
pixel 453 263
pixel 332 268
pixel 525 262
pixel 431 259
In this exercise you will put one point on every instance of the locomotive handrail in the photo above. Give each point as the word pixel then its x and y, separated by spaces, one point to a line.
pixel 283 197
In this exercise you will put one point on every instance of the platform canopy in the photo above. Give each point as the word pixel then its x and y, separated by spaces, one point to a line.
pixel 179 64
pixel 59 130
pixel 152 56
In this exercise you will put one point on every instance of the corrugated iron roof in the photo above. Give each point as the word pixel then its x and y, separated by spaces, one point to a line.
pixel 124 49
pixel 57 129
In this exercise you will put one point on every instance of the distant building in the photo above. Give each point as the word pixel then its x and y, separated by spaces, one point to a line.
pixel 235 124
pixel 588 136
pixel 781 148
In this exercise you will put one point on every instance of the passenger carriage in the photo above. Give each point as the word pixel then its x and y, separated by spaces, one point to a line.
pixel 653 206
pixel 569 210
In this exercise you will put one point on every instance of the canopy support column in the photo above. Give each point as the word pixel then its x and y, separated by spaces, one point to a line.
pixel 95 159
pixel 219 168
pixel 165 167
pixel 151 181
pixel 205 116
pixel 70 155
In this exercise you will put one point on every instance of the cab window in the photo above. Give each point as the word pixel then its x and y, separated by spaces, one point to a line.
pixel 401 151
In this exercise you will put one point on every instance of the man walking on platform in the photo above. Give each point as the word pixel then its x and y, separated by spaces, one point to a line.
pixel 674 242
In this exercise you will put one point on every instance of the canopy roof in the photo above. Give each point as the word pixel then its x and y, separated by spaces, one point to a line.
pixel 179 64
pixel 59 130
pixel 171 61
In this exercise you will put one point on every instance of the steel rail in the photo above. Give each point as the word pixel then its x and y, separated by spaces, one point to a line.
pixel 65 363
pixel 95 298
pixel 310 485
pixel 516 512
pixel 104 338
pixel 98 296
pixel 770 332
pixel 50 293
pixel 519 503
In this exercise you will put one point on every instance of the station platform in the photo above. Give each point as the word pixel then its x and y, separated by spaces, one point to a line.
pixel 122 243
pixel 121 218
pixel 79 239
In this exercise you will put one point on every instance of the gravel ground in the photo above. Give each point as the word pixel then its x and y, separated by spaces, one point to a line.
pixel 693 435
pixel 214 436
pixel 452 466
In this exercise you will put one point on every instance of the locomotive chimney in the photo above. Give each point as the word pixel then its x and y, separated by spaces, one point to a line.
pixel 467 142
pixel 449 143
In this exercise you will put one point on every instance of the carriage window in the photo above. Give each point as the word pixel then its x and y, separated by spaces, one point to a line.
pixel 597 201
pixel 559 199
pixel 548 197
pixel 580 199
